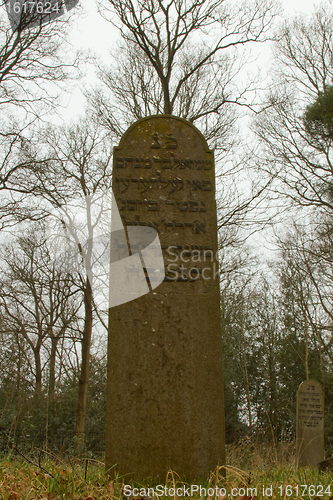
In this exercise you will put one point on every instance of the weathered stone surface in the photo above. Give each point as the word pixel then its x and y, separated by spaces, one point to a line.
pixel 310 424
pixel 165 389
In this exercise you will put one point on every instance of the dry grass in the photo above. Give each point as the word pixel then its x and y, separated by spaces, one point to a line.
pixel 251 471
pixel 249 455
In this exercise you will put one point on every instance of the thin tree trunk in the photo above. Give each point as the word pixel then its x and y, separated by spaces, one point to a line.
pixel 166 95
pixel 246 378
pixel 306 347
pixel 38 366
pixel 85 365
pixel 54 343
pixel 19 365
pixel 247 393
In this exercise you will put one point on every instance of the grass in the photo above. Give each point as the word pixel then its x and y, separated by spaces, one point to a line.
pixel 264 473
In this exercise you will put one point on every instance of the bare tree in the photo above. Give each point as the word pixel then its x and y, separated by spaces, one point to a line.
pixel 299 163
pixel 31 57
pixel 13 195
pixel 305 269
pixel 37 300
pixel 70 170
pixel 297 159
pixel 35 63
pixel 163 32
pixel 307 254
pixel 207 97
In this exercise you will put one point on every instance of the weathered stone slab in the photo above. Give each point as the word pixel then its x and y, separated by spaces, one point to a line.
pixel 310 424
pixel 165 389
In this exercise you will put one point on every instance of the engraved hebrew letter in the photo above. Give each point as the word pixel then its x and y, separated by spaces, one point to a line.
pixel 168 224
pixel 171 142
pixel 194 206
pixel 121 200
pixel 128 160
pixel 155 144
pixel 183 206
pixel 143 185
pixel 119 163
pixel 152 205
pixel 207 186
pixel 201 226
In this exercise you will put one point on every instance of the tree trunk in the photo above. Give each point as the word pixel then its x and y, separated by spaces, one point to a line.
pixel 54 342
pixel 246 376
pixel 38 366
pixel 166 95
pixel 85 365
pixel 19 365
pixel 306 347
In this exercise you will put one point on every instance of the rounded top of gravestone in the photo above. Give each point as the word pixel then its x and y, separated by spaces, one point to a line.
pixel 310 386
pixel 188 137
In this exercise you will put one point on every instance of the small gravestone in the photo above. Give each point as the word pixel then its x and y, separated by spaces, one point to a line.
pixel 310 424
pixel 165 388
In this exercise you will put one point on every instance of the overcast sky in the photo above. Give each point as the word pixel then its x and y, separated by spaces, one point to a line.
pixel 94 32
pixel 91 31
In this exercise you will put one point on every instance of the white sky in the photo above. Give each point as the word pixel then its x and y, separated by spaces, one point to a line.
pixel 92 32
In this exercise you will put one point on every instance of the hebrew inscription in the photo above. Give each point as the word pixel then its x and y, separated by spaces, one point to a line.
pixel 162 184
pixel 142 185
pixel 179 206
pixel 310 424
pixel 165 162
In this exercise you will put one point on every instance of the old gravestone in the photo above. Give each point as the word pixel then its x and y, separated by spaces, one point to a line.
pixel 310 424
pixel 165 389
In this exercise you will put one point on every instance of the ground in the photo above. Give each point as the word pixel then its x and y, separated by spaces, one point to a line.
pixel 257 472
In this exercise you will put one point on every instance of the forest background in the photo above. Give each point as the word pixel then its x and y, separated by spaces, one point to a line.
pixel 272 132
